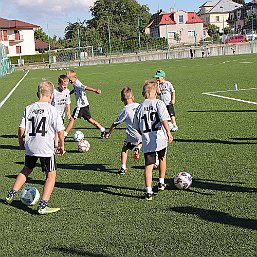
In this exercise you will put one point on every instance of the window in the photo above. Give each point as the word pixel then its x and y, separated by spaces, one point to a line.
pixel 18 49
pixel 181 19
pixel 171 34
pixel 7 50
pixel 217 18
pixel 191 33
pixel 5 35
pixel 17 34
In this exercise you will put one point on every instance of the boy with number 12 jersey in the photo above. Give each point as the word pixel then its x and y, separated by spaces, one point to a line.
pixel 151 120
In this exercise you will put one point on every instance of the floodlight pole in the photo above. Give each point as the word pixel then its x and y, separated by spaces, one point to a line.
pixel 252 30
pixel 194 28
pixel 167 36
pixel 79 44
pixel 109 39
pixel 138 24
pixel 49 47
pixel 223 30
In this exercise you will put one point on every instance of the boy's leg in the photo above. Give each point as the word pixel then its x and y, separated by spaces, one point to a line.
pixel 149 163
pixel 20 181
pixel 162 169
pixel 70 125
pixel 124 157
pixel 48 165
pixel 97 125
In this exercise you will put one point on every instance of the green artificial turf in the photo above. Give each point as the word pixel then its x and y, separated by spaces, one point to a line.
pixel 103 214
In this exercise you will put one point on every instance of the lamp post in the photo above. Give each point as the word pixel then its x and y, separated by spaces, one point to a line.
pixel 49 47
pixel 194 18
pixel 109 38
pixel 167 36
pixel 252 29
pixel 138 24
pixel 221 7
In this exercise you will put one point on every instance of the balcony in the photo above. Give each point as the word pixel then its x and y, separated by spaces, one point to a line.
pixel 15 38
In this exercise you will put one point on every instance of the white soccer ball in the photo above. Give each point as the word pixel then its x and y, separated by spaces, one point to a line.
pixel 78 135
pixel 29 195
pixel 83 146
pixel 183 180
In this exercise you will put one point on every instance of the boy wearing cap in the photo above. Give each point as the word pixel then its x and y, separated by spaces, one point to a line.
pixel 167 95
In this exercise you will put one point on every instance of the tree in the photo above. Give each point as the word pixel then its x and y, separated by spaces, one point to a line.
pixel 40 35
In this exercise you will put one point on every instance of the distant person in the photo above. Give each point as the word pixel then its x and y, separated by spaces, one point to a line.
pixel 233 50
pixel 82 104
pixel 133 138
pixel 191 53
pixel 40 122
pixel 203 51
pixel 151 120
pixel 167 94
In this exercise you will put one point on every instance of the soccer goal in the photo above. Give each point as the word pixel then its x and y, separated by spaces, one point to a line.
pixel 68 55
pixel 5 64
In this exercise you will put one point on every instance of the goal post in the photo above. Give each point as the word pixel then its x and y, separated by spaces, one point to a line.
pixel 5 64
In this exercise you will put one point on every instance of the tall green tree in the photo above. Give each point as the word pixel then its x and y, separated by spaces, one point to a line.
pixel 41 35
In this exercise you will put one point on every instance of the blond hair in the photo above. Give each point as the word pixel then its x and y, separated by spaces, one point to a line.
pixel 45 88
pixel 126 93
pixel 71 73
pixel 148 87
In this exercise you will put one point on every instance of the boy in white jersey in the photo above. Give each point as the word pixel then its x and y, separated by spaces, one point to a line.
pixel 133 138
pixel 167 95
pixel 40 122
pixel 82 105
pixel 151 120
pixel 61 100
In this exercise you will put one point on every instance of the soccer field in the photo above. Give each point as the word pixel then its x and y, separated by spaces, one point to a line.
pixel 104 214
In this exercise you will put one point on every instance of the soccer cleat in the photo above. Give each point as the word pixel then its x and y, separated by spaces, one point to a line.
pixel 174 128
pixel 47 210
pixel 102 135
pixel 123 171
pixel 136 154
pixel 9 199
pixel 161 186
pixel 149 196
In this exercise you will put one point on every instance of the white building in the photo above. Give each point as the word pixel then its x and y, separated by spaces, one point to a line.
pixel 18 37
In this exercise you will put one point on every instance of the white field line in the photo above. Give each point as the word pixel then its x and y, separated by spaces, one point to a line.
pixel 230 98
pixel 7 97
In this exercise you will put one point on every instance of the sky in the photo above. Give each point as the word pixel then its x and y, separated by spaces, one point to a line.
pixel 53 15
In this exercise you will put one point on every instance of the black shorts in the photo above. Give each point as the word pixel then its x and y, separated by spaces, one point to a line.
pixel 171 110
pixel 48 164
pixel 150 158
pixel 83 112
pixel 129 145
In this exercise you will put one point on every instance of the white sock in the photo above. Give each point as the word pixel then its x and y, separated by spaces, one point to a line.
pixel 102 129
pixel 161 180
pixel 149 190
pixel 123 166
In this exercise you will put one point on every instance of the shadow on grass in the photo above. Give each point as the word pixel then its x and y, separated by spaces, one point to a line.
pixel 9 147
pixel 107 189
pixel 9 136
pixel 19 205
pixel 214 141
pixel 218 217
pixel 77 252
pixel 236 111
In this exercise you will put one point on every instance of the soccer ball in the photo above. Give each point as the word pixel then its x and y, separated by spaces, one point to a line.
pixel 29 195
pixel 78 135
pixel 83 146
pixel 183 180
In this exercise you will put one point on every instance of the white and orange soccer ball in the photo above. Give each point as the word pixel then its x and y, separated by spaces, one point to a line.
pixel 83 146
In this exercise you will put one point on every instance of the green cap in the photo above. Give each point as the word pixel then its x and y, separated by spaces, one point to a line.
pixel 159 73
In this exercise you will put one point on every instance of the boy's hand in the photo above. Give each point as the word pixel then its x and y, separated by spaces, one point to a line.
pixel 59 151
pixel 98 91
pixel 170 138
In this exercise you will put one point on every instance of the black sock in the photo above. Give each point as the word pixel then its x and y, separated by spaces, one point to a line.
pixel 43 204
pixel 12 193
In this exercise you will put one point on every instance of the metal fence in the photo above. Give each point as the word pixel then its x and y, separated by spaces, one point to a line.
pixel 5 65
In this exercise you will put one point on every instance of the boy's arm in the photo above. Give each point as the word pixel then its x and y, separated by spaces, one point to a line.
pixel 72 92
pixel 98 91
pixel 60 148
pixel 173 97
pixel 68 111
pixel 108 134
pixel 21 132
pixel 167 128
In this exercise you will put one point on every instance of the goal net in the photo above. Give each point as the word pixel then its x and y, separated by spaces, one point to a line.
pixel 5 64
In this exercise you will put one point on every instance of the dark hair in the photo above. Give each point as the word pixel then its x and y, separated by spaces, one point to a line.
pixel 61 78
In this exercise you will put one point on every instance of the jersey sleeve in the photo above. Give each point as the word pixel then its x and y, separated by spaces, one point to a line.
pixel 121 117
pixel 162 111
pixel 23 120
pixel 135 120
pixel 68 98
pixel 171 88
pixel 79 85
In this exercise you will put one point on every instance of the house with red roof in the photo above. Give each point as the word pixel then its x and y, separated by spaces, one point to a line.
pixel 17 37
pixel 178 27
